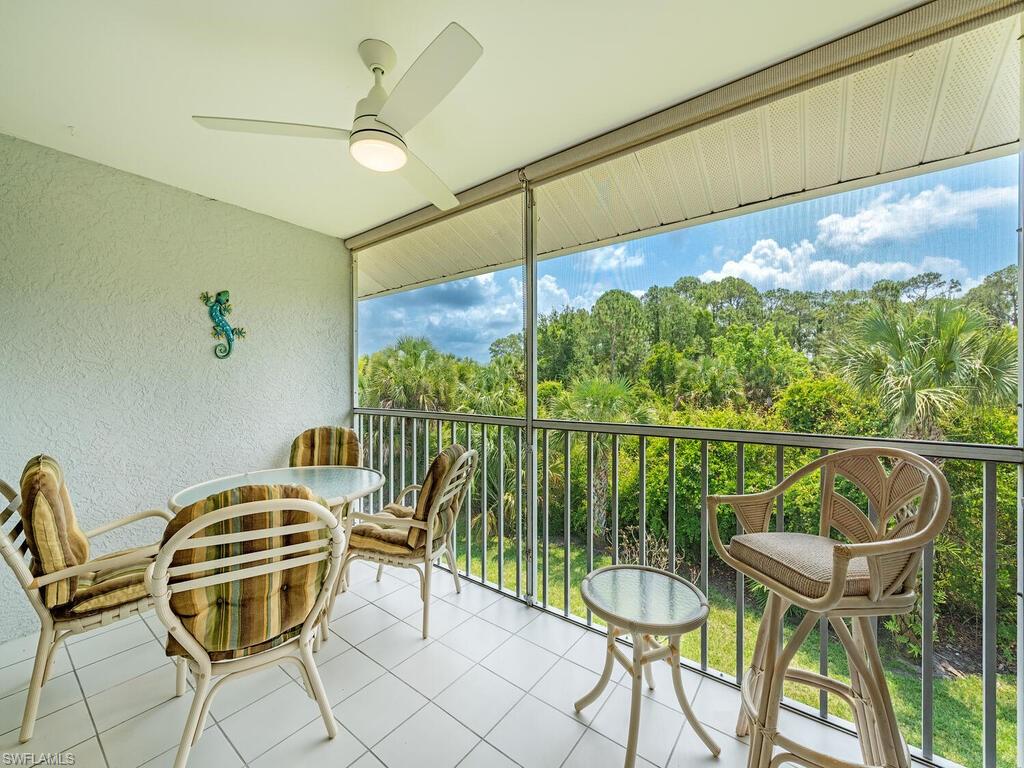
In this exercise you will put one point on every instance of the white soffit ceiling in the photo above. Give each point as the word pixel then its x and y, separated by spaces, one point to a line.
pixel 116 81
pixel 942 102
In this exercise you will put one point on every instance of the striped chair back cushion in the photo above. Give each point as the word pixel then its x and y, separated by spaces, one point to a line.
pixel 432 487
pixel 51 529
pixel 238 618
pixel 326 446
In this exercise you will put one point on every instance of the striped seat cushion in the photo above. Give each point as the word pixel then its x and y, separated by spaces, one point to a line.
pixel 373 537
pixel 240 618
pixel 107 588
pixel 800 561
pixel 51 529
pixel 431 488
pixel 325 446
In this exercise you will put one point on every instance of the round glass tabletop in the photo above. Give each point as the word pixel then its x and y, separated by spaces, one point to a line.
pixel 335 484
pixel 644 597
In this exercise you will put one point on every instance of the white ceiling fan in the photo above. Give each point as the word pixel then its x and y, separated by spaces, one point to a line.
pixel 376 139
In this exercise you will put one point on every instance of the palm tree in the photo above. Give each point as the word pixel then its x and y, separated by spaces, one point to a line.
pixel 496 389
pixel 410 374
pixel 600 399
pixel 923 363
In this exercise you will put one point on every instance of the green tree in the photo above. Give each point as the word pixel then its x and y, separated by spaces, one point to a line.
pixel 708 382
pixel 923 363
pixel 997 295
pixel 795 316
pixel 828 405
pixel 764 359
pixel 732 300
pixel 563 350
pixel 619 333
pixel 671 318
pixel 600 399
pixel 661 367
pixel 412 373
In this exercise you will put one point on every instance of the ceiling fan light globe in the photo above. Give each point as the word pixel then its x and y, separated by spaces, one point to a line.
pixel 378 151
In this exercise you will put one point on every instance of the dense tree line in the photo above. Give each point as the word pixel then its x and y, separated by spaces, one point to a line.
pixel 916 358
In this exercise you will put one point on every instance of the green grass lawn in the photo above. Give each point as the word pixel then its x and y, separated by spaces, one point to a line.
pixel 957 700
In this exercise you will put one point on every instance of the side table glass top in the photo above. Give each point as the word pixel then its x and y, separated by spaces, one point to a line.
pixel 334 484
pixel 643 596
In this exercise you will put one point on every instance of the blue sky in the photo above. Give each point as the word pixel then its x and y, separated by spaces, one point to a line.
pixel 961 223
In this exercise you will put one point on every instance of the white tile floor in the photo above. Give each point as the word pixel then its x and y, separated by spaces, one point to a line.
pixel 494 686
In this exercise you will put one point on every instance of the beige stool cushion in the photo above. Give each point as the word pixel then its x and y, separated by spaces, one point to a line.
pixel 800 561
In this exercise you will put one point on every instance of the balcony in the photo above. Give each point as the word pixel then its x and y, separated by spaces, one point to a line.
pixel 640 524
pixel 494 686
pixel 640 229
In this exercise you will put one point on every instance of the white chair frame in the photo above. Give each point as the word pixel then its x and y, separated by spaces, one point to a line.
pixel 453 486
pixel 209 675
pixel 54 631
pixel 891 592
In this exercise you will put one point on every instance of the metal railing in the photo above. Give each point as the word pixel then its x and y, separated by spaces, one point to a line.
pixel 492 549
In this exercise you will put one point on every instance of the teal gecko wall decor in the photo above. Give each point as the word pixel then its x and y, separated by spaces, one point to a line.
pixel 219 307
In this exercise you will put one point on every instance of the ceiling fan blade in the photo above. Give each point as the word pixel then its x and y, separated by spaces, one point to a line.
pixel 427 183
pixel 271 127
pixel 430 78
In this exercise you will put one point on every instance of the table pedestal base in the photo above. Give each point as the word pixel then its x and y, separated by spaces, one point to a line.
pixel 646 651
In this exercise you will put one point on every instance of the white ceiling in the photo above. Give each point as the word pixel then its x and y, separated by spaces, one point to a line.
pixel 116 81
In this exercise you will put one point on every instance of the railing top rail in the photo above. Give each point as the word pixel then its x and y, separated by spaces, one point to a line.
pixel 472 418
pixel 1003 454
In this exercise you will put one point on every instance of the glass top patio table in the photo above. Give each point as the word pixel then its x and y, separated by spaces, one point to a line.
pixel 337 485
pixel 636 597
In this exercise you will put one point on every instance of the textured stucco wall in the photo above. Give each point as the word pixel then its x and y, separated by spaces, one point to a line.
pixel 107 359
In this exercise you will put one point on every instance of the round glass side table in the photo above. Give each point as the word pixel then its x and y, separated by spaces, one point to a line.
pixel 644 603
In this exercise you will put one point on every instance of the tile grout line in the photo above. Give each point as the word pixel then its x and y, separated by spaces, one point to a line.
pixel 88 709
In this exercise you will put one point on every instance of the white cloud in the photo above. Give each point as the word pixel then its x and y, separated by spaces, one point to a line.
pixel 550 295
pixel 769 265
pixel 885 219
pixel 609 258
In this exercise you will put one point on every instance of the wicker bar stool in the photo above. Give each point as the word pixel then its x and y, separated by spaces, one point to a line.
pixel 872 573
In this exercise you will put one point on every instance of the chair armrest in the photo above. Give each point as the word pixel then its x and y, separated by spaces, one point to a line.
pixel 890 546
pixel 753 510
pixel 406 491
pixel 141 555
pixel 107 527
pixel 393 522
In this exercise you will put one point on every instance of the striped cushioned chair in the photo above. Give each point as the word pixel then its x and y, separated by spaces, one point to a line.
pixel 326 446
pixel 240 582
pixel 398 534
pixel 41 541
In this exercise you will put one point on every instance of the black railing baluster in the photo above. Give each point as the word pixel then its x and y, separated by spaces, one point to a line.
pixel 615 499
pixel 642 513
pixel 590 511
pixel 519 512
pixel 704 544
pixel 501 508
pixel 672 505
pixel 566 514
pixel 740 581
pixel 483 503
pixel 546 485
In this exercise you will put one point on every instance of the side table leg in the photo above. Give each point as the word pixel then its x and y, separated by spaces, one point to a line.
pixel 649 668
pixel 684 703
pixel 639 645
pixel 606 674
